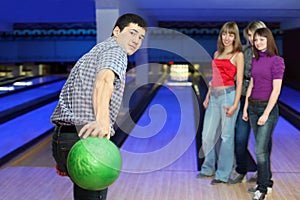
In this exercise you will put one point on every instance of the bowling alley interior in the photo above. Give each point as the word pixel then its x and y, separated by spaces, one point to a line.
pixel 159 125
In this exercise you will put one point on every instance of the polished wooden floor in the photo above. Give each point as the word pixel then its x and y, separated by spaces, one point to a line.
pixel 156 175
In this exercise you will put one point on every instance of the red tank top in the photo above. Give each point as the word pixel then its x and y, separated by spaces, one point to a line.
pixel 223 72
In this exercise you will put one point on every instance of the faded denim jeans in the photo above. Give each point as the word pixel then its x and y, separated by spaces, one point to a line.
pixel 219 127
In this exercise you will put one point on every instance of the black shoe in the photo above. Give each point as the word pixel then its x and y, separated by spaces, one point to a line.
pixel 238 178
pixel 201 175
pixel 253 178
pixel 216 181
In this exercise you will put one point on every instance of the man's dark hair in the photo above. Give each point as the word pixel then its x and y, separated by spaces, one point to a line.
pixel 128 18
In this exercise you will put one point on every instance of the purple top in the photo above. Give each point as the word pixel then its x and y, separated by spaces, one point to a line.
pixel 264 71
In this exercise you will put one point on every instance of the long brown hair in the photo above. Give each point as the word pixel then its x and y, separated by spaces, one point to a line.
pixel 232 28
pixel 271 45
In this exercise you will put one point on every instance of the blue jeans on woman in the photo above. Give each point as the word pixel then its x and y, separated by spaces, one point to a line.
pixel 61 146
pixel 263 139
pixel 244 160
pixel 219 127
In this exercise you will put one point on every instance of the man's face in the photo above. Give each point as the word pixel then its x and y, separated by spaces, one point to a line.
pixel 130 38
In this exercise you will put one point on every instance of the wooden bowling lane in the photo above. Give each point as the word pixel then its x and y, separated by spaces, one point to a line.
pixel 32 175
pixel 164 138
pixel 149 177
pixel 34 183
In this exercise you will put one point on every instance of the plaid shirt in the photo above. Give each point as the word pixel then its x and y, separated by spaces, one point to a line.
pixel 75 105
pixel 248 55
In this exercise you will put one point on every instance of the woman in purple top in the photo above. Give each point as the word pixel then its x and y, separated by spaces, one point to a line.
pixel 261 104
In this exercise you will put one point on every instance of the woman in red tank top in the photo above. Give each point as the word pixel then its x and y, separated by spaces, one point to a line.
pixel 222 104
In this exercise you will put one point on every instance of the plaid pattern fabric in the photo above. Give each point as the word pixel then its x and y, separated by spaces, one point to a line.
pixel 75 105
pixel 248 55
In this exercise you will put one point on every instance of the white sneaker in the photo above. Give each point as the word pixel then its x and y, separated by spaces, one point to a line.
pixel 259 195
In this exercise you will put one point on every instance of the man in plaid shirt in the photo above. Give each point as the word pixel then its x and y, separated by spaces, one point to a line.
pixel 91 97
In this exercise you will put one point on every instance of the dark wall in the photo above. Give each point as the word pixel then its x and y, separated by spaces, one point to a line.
pixel 47 11
pixel 67 42
pixel 44 50
pixel 291 42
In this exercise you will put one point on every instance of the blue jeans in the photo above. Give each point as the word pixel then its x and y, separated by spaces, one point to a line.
pixel 244 160
pixel 263 139
pixel 61 145
pixel 217 127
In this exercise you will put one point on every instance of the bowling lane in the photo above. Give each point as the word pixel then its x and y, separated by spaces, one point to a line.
pixel 23 129
pixel 164 137
pixel 27 83
pixel 176 180
pixel 20 98
pixel 290 97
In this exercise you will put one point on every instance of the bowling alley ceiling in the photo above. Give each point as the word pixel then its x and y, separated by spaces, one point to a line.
pixel 222 10
pixel 77 11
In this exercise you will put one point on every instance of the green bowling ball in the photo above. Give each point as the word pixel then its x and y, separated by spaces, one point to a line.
pixel 94 163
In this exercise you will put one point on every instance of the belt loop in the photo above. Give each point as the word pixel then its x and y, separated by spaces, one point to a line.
pixel 58 130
